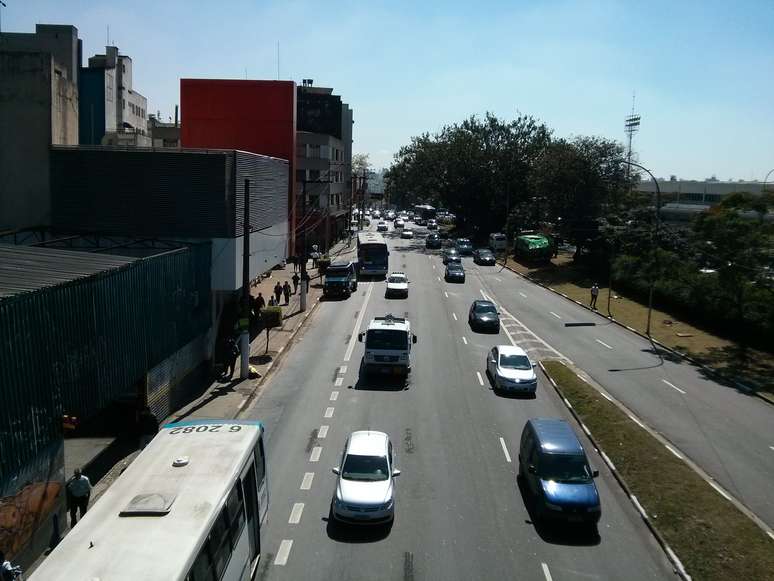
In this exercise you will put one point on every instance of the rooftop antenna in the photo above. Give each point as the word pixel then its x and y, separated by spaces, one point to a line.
pixel 107 39
pixel 631 126
pixel 2 5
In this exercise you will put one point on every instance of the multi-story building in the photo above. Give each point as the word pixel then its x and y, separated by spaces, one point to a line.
pixel 111 111
pixel 324 162
pixel 38 107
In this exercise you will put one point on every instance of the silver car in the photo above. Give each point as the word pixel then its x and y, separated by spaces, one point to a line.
pixel 511 369
pixel 365 490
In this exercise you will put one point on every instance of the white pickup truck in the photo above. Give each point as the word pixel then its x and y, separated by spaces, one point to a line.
pixel 388 342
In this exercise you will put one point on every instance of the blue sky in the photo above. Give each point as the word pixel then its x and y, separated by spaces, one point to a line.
pixel 701 70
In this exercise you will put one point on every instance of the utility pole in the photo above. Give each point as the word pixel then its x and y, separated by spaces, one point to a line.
pixel 244 320
pixel 631 126
pixel 304 280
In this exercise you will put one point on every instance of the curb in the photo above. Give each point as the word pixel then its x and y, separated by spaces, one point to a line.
pixel 245 403
pixel 676 563
pixel 710 370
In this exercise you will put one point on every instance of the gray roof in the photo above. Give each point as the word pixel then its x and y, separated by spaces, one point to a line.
pixel 30 268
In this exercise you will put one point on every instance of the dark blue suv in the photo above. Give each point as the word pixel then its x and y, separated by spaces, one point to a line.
pixel 555 469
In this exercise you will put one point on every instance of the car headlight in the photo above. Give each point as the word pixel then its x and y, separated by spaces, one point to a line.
pixel 338 502
pixel 386 505
pixel 553 506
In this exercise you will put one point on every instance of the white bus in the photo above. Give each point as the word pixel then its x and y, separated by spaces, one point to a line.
pixel 372 254
pixel 189 508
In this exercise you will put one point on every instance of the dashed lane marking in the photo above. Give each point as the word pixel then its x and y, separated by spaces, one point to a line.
pixel 315 455
pixel 498 279
pixel 523 295
pixel 555 315
pixel 480 379
pixel 322 432
pixel 334 395
pixel 328 412
pixel 505 450
pixel 306 483
pixel 455 316
pixel 343 369
pixel 673 386
pixel 339 381
pixel 295 514
pixel 464 340
pixel 284 552
pixel 603 343
pixel 446 294
pixel 546 572
pixel 358 322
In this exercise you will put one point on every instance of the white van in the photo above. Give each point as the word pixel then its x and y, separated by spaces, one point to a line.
pixel 498 241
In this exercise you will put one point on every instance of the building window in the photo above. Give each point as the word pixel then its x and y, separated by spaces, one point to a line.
pixel 123 68
pixel 325 151
pixel 300 175
pixel 314 152
pixel 314 175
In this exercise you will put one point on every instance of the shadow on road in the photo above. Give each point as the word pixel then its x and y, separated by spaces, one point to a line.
pixel 374 382
pixel 347 533
pixel 577 535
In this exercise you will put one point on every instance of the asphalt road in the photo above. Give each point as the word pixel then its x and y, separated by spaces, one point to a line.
pixel 459 511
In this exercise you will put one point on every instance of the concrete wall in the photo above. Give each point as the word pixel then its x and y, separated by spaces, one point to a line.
pixel 60 40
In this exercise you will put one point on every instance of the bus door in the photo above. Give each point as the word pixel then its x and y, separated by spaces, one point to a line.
pixel 250 488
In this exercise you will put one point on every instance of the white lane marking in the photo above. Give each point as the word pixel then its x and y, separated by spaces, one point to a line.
pixel 522 294
pixel 328 412
pixel 358 322
pixel 770 534
pixel 315 455
pixel 343 369
pixel 306 483
pixel 675 452
pixel 498 279
pixel 284 552
pixel 603 343
pixel 505 449
pixel 673 386
pixel 480 379
pixel 636 421
pixel 439 278
pixel 334 395
pixel 434 267
pixel 483 294
pixel 772 447
pixel 322 432
pixel 295 514
pixel 546 572
pixel 242 404
pixel 464 340
pixel 338 382
pixel 555 315
pixel 446 294
pixel 720 491
pixel 455 316
pixel 607 397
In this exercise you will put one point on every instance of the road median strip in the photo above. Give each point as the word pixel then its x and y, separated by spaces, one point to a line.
pixel 687 515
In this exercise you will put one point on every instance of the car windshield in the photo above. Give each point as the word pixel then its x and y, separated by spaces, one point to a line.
pixel 335 278
pixel 386 339
pixel 484 253
pixel 398 279
pixel 454 267
pixel 485 308
pixel 515 362
pixel 370 468
pixel 564 468
pixel 451 252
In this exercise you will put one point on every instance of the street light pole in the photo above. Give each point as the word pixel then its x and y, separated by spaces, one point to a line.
pixel 304 280
pixel 653 237
pixel 763 189
pixel 244 322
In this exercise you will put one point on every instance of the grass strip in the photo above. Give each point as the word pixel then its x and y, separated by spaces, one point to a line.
pixel 709 535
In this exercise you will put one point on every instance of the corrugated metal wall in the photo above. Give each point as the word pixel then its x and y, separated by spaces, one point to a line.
pixel 268 190
pixel 179 193
pixel 75 347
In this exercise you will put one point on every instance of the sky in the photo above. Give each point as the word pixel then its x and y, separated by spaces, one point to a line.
pixel 702 72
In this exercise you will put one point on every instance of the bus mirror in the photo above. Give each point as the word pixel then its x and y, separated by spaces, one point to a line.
pixel 360 337
pixel 335 470
pixel 413 338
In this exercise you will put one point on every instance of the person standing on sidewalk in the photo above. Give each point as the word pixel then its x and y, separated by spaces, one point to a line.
pixel 232 354
pixel 594 295
pixel 260 304
pixel 277 292
pixel 78 495
pixel 295 282
pixel 286 292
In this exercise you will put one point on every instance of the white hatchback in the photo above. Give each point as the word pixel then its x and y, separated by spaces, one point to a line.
pixel 365 491
pixel 511 369
pixel 407 233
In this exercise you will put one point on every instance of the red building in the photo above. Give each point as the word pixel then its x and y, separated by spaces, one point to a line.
pixel 255 116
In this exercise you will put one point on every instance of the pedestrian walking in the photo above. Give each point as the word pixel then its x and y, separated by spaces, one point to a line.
pixel 260 303
pixel 232 354
pixel 286 292
pixel 147 426
pixel 78 494
pixel 295 283
pixel 277 292
pixel 594 295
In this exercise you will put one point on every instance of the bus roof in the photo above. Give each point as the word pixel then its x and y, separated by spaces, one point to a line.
pixel 105 545
pixel 370 238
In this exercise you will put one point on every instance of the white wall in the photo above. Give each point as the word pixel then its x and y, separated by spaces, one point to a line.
pixel 267 249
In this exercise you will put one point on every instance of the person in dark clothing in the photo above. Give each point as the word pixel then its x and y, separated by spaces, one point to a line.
pixel 594 295
pixel 232 354
pixel 277 292
pixel 78 494
pixel 294 261
pixel 286 292
pixel 295 283
pixel 260 303
pixel 147 426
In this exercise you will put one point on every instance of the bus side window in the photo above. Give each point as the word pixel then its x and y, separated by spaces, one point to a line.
pixel 202 567
pixel 260 463
pixel 235 507
pixel 220 544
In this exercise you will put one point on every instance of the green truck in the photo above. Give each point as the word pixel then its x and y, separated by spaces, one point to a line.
pixel 533 248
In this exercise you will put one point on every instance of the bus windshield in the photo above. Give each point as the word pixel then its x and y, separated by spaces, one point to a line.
pixel 386 339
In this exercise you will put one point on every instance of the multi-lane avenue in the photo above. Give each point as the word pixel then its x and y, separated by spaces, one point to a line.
pixel 460 513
